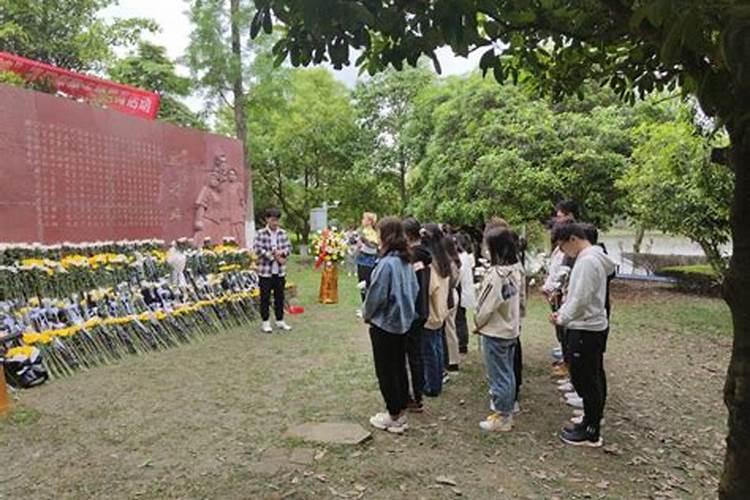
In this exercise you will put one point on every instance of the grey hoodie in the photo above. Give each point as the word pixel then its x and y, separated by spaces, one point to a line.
pixel 587 292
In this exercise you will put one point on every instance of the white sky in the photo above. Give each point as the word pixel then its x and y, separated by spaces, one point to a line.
pixel 175 32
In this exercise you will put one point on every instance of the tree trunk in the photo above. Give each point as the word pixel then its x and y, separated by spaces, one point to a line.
pixel 402 185
pixel 240 119
pixel 735 480
pixel 640 232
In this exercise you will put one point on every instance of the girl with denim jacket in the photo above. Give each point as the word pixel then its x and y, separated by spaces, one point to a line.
pixel 390 310
pixel 497 321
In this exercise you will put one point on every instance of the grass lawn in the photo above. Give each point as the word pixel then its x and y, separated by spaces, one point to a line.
pixel 207 420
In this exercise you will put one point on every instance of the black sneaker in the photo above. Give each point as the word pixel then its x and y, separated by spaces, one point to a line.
pixel 582 436
pixel 453 368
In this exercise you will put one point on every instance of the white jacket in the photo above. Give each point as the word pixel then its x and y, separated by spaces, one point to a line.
pixel 466 280
pixel 553 275
pixel 587 292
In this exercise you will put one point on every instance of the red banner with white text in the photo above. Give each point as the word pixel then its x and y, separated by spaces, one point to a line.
pixel 113 95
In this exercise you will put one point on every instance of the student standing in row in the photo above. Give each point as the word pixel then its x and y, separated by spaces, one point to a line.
pixel 467 297
pixel 498 321
pixel 421 260
pixel 584 316
pixel 367 254
pixel 432 334
pixel 389 309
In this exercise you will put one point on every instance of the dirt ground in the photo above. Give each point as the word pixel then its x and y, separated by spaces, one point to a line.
pixel 207 420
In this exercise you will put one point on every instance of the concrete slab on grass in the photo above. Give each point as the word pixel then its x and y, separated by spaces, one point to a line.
pixel 329 432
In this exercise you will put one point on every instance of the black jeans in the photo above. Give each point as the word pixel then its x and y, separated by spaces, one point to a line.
pixel 276 285
pixel 587 375
pixel 414 357
pixel 363 274
pixel 389 354
pixel 462 330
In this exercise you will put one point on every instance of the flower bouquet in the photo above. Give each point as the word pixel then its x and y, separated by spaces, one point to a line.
pixel 330 247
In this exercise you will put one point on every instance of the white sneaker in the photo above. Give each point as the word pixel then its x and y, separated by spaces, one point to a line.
pixel 446 378
pixel 563 381
pixel 497 423
pixel 565 387
pixel 577 419
pixel 571 394
pixel 359 313
pixel 574 402
pixel 383 421
pixel 283 326
pixel 577 412
pixel 266 327
pixel 516 408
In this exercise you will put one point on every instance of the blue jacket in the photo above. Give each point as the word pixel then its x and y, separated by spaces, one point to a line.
pixel 391 296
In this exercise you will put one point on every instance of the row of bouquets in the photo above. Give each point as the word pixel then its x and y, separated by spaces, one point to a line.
pixel 65 336
pixel 57 271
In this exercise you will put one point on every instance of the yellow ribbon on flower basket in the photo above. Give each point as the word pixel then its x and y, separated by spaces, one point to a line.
pixel 329 284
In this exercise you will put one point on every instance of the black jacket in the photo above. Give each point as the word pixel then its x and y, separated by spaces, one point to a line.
pixel 421 259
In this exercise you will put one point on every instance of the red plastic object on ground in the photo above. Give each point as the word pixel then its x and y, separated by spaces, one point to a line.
pixel 296 310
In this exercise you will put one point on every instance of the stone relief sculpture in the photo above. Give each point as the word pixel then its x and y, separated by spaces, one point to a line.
pixel 220 206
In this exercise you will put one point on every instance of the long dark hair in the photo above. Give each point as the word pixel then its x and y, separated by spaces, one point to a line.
pixel 449 242
pixel 501 246
pixel 432 237
pixel 411 228
pixel 392 237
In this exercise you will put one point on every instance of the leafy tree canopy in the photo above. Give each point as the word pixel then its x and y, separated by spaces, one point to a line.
pixel 633 45
pixel 673 186
pixel 150 68
pixel 66 33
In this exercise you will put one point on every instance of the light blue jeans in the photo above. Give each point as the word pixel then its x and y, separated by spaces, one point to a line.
pixel 498 358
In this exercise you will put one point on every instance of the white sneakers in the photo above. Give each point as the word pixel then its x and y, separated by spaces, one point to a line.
pixel 281 325
pixel 566 387
pixel 574 401
pixel 385 422
pixel 496 422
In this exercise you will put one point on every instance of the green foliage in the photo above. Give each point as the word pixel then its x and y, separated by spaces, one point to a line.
pixel 151 69
pixel 9 78
pixel 492 150
pixel 66 33
pixel 633 46
pixel 303 141
pixel 672 186
pixel 384 105
pixel 210 55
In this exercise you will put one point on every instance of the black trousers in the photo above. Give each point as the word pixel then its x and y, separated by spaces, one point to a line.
pixel 364 273
pixel 587 374
pixel 414 358
pixel 276 285
pixel 462 330
pixel 389 354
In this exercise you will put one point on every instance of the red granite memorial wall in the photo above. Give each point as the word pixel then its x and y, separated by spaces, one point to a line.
pixel 75 172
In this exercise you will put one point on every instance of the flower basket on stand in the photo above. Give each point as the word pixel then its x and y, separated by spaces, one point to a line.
pixel 329 247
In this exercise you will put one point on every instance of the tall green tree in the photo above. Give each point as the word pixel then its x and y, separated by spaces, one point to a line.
pixel 66 33
pixel 384 104
pixel 219 55
pixel 673 186
pixel 633 46
pixel 304 139
pixel 150 68
pixel 489 148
